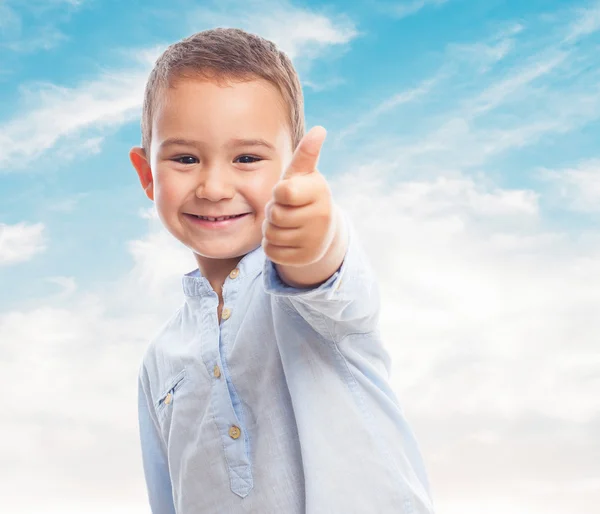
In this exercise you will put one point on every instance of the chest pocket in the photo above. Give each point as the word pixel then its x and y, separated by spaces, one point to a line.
pixel 167 400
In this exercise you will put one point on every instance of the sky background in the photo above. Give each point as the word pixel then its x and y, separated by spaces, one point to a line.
pixel 463 142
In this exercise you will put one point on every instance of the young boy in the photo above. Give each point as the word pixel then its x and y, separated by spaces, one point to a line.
pixel 267 391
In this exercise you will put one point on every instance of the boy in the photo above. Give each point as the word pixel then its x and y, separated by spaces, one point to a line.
pixel 267 391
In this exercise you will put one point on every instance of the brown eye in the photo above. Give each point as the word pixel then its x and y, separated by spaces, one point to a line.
pixel 186 159
pixel 246 157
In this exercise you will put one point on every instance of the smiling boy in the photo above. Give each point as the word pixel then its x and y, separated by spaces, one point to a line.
pixel 267 391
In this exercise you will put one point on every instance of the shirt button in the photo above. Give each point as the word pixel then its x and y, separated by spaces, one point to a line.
pixel 217 371
pixel 234 273
pixel 226 313
pixel 234 432
pixel 168 398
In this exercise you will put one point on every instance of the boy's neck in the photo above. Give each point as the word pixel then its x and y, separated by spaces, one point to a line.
pixel 216 271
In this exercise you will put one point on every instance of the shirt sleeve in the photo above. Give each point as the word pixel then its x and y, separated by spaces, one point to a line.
pixel 154 458
pixel 347 303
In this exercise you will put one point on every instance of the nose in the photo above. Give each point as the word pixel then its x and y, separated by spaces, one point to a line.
pixel 215 185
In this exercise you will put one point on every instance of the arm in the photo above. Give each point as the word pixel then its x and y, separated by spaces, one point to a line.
pixel 346 302
pixel 310 245
pixel 154 458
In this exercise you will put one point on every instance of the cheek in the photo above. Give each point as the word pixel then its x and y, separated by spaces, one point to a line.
pixel 259 191
pixel 168 192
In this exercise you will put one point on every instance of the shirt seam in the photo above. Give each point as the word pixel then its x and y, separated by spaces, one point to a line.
pixel 153 414
pixel 352 384
pixel 367 416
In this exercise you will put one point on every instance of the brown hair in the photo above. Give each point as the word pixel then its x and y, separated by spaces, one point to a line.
pixel 221 55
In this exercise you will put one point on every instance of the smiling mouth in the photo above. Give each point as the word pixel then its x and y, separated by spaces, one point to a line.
pixel 222 218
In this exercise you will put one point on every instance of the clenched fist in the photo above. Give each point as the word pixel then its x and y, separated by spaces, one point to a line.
pixel 300 221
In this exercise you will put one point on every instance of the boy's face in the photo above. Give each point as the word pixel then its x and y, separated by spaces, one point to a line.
pixel 200 165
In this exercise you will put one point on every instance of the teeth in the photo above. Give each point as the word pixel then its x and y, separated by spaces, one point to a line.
pixel 217 219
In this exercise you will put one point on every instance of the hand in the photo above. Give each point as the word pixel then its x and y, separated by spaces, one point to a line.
pixel 299 224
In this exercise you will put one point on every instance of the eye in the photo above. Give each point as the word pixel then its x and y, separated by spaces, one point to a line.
pixel 185 159
pixel 246 157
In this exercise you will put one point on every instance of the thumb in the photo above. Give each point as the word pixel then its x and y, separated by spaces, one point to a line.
pixel 307 153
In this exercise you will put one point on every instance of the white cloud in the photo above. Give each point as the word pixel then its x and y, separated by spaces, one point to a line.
pixel 497 113
pixel 387 105
pixel 67 204
pixel 479 302
pixel 489 312
pixel 74 409
pixel 579 186
pixel 489 308
pixel 72 145
pixel 20 242
pixel 56 115
pixel 75 118
pixel 302 33
pixel 489 316
pixel 530 71
pixel 516 110
pixel 10 21
pixel 73 425
pixel 483 54
pixel 464 258
pixel 586 22
pixel 403 9
pixel 67 284
pixel 46 38
pixel 323 85
pixel 36 32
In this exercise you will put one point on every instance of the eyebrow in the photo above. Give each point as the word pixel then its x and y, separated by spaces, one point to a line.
pixel 232 143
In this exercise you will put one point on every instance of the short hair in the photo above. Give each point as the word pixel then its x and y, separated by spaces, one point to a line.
pixel 221 55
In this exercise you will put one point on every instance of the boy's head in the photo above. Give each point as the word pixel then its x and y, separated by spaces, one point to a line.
pixel 222 115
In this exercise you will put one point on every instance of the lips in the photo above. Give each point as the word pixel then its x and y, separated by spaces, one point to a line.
pixel 217 218
pixel 220 223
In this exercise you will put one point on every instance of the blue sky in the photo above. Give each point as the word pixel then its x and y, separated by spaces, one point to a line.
pixel 462 137
pixel 55 52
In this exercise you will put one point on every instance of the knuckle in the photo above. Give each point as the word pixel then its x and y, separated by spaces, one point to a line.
pixel 280 191
pixel 270 233
pixel 288 192
pixel 276 216
pixel 266 247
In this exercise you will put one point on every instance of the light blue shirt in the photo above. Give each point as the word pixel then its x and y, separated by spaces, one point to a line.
pixel 284 407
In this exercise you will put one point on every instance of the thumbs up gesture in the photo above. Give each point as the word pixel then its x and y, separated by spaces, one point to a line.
pixel 300 219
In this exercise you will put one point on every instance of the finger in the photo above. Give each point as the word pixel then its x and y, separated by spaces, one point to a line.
pixel 307 153
pixel 284 216
pixel 284 255
pixel 284 237
pixel 302 190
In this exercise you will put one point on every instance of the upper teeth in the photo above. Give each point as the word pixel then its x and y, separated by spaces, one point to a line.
pixel 217 219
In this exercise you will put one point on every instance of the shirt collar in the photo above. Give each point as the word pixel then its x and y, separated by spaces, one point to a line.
pixel 195 284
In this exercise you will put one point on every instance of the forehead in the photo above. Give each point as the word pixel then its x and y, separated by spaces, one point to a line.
pixel 201 109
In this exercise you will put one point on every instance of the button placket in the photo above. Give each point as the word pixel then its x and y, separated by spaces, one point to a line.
pixel 226 403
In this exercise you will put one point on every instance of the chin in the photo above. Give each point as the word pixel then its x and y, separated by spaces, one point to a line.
pixel 215 250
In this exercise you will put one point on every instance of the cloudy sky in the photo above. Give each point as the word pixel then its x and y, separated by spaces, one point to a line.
pixel 462 140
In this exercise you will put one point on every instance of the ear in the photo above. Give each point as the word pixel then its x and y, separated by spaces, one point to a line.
pixel 137 156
